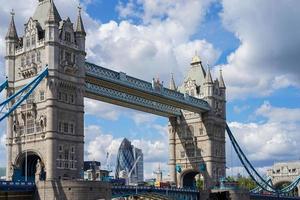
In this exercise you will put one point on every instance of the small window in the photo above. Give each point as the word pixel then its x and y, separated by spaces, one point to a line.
pixel 27 60
pixel 72 128
pixel 66 165
pixel 22 62
pixel 65 97
pixel 72 98
pixel 182 154
pixel 68 57
pixel 27 42
pixel 66 154
pixel 42 95
pixel 67 36
pixel 66 127
pixel 60 148
pixel 38 56
pixel 33 58
pixel 59 126
pixel 72 150
pixel 33 40
pixel 59 96
pixel 201 131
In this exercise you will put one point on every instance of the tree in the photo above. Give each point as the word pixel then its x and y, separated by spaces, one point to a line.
pixel 200 184
pixel 246 182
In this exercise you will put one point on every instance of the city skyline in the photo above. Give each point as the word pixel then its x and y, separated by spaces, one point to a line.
pixel 253 109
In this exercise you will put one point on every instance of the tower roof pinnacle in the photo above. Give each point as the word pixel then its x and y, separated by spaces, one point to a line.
pixel 80 26
pixel 46 11
pixel 222 83
pixel 12 31
pixel 51 13
pixel 172 83
pixel 208 78
pixel 196 59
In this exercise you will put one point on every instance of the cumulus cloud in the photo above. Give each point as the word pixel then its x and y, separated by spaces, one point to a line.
pixel 97 144
pixel 275 114
pixel 237 171
pixel 102 110
pixel 143 118
pixel 266 59
pixel 276 139
pixel 160 44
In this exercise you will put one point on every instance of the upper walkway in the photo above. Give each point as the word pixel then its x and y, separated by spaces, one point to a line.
pixel 120 89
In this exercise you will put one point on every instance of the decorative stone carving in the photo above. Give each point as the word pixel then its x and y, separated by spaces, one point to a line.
pixel 38 170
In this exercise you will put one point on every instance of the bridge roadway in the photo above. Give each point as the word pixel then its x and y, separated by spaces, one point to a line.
pixel 168 193
pixel 118 88
pixel 26 190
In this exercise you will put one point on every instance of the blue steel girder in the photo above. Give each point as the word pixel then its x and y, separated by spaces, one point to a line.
pixel 133 86
pixel 116 97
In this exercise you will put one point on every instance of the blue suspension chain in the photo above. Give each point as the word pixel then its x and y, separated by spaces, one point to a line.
pixel 27 89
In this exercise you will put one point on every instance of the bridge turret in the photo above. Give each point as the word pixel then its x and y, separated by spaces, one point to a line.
pixel 80 33
pixel 11 45
pixel 54 111
pixel 197 140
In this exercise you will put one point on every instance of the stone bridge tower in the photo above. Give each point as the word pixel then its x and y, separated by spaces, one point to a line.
pixel 197 141
pixel 49 125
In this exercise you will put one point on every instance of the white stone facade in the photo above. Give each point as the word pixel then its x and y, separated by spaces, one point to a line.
pixel 50 124
pixel 197 140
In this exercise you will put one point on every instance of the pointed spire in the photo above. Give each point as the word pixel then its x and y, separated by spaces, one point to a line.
pixel 12 31
pixel 52 14
pixel 172 83
pixel 222 84
pixel 208 78
pixel 80 27
pixel 196 59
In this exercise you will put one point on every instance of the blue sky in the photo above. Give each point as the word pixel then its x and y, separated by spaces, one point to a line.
pixel 249 42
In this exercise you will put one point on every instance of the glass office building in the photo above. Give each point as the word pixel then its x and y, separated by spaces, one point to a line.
pixel 127 156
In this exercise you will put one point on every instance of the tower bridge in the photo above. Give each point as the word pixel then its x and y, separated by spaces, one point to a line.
pixel 45 121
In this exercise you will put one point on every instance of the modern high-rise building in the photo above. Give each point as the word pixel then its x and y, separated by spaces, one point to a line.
pixel 130 163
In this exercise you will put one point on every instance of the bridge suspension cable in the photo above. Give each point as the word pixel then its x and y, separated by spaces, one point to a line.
pixel 20 95
pixel 256 177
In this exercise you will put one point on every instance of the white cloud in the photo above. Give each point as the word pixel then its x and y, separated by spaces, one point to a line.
pixel 154 151
pixel 276 139
pixel 235 171
pixel 275 114
pixel 240 109
pixel 97 144
pixel 143 118
pixel 156 47
pixel 102 110
pixel 266 59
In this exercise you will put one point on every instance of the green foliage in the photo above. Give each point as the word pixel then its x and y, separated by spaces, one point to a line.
pixel 246 182
pixel 243 182
pixel 200 184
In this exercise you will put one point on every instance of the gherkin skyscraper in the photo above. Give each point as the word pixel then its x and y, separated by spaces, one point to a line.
pixel 127 156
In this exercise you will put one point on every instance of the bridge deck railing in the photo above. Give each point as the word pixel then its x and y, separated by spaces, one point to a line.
pixel 129 81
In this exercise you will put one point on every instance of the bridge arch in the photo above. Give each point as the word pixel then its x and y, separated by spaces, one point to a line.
pixel 20 165
pixel 188 178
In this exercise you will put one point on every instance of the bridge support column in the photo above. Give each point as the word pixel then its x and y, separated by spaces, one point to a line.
pixel 172 148
pixel 9 134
